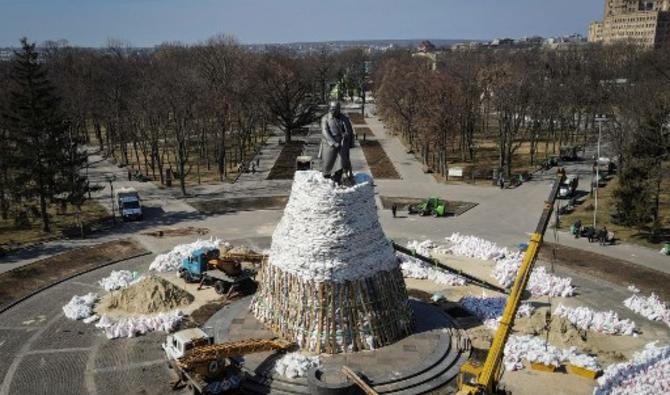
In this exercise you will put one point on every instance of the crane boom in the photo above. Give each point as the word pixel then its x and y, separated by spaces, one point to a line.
pixel 205 354
pixel 481 379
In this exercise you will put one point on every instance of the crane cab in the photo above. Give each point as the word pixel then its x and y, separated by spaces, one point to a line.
pixel 467 378
pixel 181 343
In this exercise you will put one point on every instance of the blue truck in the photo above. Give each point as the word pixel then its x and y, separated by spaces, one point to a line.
pixel 206 266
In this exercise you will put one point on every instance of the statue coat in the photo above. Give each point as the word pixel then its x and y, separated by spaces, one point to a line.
pixel 336 139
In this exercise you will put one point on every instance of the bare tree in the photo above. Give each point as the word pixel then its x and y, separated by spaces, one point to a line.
pixel 287 90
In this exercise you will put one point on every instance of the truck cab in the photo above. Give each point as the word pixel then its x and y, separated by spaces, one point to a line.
pixel 130 206
pixel 193 266
pixel 180 343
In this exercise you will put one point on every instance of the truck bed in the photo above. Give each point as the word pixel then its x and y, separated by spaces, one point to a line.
pixel 219 275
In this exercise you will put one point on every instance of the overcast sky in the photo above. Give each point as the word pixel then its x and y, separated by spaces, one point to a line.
pixel 150 22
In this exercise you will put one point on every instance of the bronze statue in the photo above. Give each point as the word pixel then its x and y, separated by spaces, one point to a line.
pixel 336 140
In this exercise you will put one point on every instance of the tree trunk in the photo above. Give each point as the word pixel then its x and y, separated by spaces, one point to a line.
pixel 45 215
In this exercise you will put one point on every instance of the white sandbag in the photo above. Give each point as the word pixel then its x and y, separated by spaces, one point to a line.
pixel 573 357
pixel 414 268
pixel 295 364
pixel 599 321
pixel 118 279
pixel 647 373
pixel 80 307
pixel 489 309
pixel 536 349
pixel 651 307
pixel 171 261
pixel 91 319
pixel 540 282
pixel 139 325
pixel 474 247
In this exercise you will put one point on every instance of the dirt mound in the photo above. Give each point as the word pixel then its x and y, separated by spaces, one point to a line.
pixel 150 295
pixel 562 333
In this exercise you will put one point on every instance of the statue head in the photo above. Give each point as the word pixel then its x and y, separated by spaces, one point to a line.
pixel 334 108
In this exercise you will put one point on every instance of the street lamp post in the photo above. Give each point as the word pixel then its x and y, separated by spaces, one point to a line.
pixel 110 178
pixel 600 118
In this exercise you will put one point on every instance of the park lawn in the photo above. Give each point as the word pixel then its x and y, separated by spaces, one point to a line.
pixel 486 159
pixel 10 237
pixel 584 212
pixel 197 175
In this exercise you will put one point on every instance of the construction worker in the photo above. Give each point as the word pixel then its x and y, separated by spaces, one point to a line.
pixel 577 228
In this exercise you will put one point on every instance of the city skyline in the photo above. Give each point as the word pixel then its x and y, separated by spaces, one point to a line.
pixel 150 22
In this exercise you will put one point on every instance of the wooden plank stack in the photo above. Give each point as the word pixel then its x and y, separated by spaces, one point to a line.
pixel 332 317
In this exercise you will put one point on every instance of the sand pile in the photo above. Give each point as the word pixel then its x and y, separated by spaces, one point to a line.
pixel 562 332
pixel 147 296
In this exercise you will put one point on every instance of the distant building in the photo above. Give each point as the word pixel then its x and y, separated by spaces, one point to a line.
pixel 502 42
pixel 426 46
pixel 646 23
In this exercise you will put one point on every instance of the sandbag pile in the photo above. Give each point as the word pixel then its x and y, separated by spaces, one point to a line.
pixel 80 307
pixel 331 233
pixel 171 261
pixel 651 307
pixel 117 279
pixel 415 268
pixel 540 282
pixel 139 325
pixel 426 247
pixel 295 364
pixel 507 265
pixel 535 349
pixel 599 321
pixel 647 373
pixel 474 247
pixel 490 309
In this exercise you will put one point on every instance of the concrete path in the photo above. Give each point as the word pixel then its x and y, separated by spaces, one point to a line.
pixel 266 158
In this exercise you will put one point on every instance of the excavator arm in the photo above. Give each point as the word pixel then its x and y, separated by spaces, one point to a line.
pixel 475 379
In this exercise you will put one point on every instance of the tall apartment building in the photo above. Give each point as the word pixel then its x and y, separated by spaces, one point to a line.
pixel 646 23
